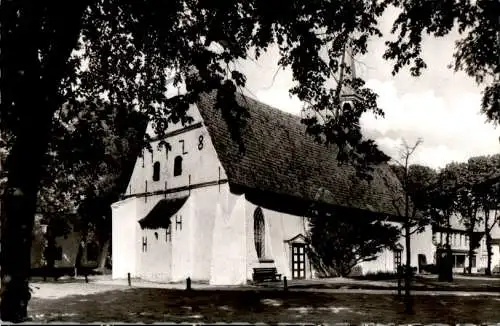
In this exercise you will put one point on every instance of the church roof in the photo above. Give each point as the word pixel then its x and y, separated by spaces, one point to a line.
pixel 278 157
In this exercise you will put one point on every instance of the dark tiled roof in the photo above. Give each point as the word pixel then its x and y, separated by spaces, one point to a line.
pixel 279 157
pixel 159 216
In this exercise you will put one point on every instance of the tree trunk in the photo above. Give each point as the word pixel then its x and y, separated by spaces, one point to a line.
pixel 487 272
pixel 50 252
pixel 448 226
pixel 490 253
pixel 104 254
pixel 29 100
pixel 471 251
pixel 408 271
pixel 24 163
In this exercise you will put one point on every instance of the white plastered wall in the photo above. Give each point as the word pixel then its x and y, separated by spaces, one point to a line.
pixel 279 227
pixel 125 229
pixel 228 264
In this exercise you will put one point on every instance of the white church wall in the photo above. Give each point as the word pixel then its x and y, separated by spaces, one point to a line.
pixel 156 259
pixel 279 227
pixel 182 258
pixel 125 229
pixel 204 203
pixel 200 163
pixel 229 247
pixel 201 169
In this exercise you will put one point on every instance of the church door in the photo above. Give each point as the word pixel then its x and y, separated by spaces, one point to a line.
pixel 298 261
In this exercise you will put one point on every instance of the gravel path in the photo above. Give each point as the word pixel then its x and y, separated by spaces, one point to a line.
pixel 55 290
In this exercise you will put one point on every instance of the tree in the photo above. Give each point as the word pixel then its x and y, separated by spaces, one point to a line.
pixel 341 239
pixel 88 164
pixel 481 171
pixel 468 204
pixel 130 48
pixel 476 52
pixel 412 204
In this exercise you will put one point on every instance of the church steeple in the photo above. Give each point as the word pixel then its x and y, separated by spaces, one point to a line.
pixel 347 93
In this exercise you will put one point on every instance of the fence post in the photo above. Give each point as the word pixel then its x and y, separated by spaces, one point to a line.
pixel 129 281
pixel 285 284
pixel 399 281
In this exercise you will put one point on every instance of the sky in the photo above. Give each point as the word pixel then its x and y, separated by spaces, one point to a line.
pixel 441 107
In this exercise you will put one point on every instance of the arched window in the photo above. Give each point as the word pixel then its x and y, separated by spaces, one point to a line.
pixel 347 106
pixel 177 166
pixel 156 171
pixel 259 232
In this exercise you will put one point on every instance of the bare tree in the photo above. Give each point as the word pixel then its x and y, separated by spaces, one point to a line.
pixel 410 203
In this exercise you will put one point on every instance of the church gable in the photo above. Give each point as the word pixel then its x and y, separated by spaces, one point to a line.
pixel 191 161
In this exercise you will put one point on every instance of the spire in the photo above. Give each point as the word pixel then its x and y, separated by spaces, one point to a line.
pixel 348 93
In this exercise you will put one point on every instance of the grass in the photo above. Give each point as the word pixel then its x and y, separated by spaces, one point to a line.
pixel 148 305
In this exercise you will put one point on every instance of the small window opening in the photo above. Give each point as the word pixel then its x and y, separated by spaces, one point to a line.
pixel 156 171
pixel 177 166
pixel 347 106
pixel 92 251
pixel 156 235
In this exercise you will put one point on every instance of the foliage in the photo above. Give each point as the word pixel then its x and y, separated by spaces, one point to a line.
pixel 417 182
pixel 377 276
pixel 476 195
pixel 411 204
pixel 127 49
pixel 340 240
pixel 476 52
pixel 443 196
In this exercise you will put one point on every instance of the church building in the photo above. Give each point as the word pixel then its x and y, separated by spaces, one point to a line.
pixel 216 207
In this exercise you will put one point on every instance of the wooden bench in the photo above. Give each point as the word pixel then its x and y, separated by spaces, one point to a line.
pixel 261 274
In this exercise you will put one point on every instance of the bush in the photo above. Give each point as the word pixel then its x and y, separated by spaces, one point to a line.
pixel 377 276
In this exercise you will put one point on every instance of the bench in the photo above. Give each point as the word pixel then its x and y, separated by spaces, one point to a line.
pixel 261 274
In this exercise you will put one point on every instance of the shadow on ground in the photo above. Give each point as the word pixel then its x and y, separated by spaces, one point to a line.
pixel 148 305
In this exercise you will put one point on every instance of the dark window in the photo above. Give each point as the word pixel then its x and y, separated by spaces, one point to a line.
pixel 347 106
pixel 459 261
pixel 177 166
pixel 156 171
pixel 156 235
pixel 259 232
pixel 58 253
pixel 397 258
pixel 92 251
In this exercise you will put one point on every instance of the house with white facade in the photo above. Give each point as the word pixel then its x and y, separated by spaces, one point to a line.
pixel 216 206
pixel 459 241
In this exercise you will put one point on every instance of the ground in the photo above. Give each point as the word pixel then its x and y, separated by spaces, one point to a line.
pixel 103 300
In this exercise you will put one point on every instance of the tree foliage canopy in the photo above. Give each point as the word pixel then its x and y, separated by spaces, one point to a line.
pixel 340 240
pixel 476 52
pixel 127 49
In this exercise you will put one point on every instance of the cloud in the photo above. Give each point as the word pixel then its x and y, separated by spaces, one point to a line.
pixel 280 98
pixel 452 128
pixel 441 106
